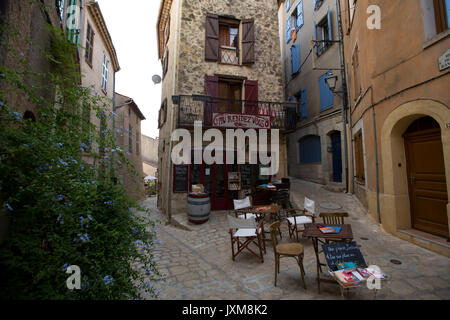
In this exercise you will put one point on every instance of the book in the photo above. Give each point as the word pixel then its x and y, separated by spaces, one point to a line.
pixel 330 229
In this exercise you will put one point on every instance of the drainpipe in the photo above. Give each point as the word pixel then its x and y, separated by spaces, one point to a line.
pixel 172 118
pixel 344 89
pixel 376 153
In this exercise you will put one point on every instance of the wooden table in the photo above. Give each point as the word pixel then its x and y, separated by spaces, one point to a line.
pixel 261 211
pixel 312 231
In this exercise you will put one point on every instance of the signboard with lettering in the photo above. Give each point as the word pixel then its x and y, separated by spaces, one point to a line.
pixel 340 252
pixel 444 60
pixel 241 121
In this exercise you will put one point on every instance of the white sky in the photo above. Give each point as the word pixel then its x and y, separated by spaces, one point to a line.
pixel 132 25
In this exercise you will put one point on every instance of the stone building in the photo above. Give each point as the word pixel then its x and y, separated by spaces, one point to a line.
pixel 398 78
pixel 316 150
pixel 30 19
pixel 150 156
pixel 219 58
pixel 128 122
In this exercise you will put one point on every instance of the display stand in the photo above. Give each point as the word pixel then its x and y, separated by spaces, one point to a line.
pixel 234 181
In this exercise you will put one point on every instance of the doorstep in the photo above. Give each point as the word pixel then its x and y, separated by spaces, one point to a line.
pixel 426 237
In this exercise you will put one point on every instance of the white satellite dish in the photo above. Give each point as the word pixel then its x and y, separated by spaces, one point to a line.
pixel 156 79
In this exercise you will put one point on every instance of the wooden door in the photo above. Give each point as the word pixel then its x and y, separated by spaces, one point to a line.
pixel 426 181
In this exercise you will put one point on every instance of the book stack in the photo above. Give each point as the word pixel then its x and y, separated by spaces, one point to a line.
pixel 330 229
pixel 349 275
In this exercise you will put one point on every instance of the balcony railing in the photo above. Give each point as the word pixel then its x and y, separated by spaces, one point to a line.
pixel 192 108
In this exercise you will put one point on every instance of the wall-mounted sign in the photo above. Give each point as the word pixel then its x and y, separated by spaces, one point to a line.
pixel 241 121
pixel 444 60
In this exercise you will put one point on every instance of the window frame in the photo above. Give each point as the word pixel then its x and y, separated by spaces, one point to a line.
pixel 105 72
pixel 360 175
pixel 230 24
pixel 89 51
pixel 130 138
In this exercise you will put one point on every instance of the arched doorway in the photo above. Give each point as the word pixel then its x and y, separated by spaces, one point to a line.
pixel 427 186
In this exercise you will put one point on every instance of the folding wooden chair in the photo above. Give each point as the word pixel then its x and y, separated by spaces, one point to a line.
pixel 242 208
pixel 244 232
pixel 293 250
pixel 299 217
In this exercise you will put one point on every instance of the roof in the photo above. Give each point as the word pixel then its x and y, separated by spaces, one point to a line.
pixel 123 100
pixel 163 16
pixel 94 9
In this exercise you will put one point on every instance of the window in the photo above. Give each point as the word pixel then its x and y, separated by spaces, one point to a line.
pixel 229 43
pixel 322 32
pixel 138 138
pixel 73 34
pixel 350 11
pixel 356 74
pixel 162 114
pixel 60 7
pixel 105 73
pixel 89 45
pixel 310 149
pixel 302 100
pixel 359 157
pixel 232 91
pixel 130 138
pixel 288 5
pixel 295 59
pixel 326 95
pixel 442 14
pixel 222 40
pixel 317 4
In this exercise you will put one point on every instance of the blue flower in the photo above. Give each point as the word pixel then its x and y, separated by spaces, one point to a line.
pixel 8 207
pixel 21 54
pixel 83 237
pixel 159 241
pixel 62 162
pixel 135 230
pixel 110 203
pixel 59 144
pixel 65 266
pixel 138 242
pixel 68 204
pixel 60 219
pixel 90 217
pixel 108 280
pixel 59 197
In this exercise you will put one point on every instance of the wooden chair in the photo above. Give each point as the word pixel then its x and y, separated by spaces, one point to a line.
pixel 242 208
pixel 333 218
pixel 244 232
pixel 282 250
pixel 299 217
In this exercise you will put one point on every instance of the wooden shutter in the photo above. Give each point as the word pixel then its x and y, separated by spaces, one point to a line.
pixel 248 41
pixel 212 90
pixel 304 106
pixel 300 14
pixel 212 37
pixel 295 58
pixel 326 96
pixel 251 97
pixel 330 30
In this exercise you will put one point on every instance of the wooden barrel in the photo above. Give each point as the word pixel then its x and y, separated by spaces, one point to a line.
pixel 198 207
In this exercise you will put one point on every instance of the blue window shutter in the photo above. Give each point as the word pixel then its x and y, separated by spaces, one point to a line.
pixel 326 95
pixel 304 106
pixel 288 5
pixel 295 58
pixel 316 47
pixel 288 30
pixel 330 33
pixel 300 14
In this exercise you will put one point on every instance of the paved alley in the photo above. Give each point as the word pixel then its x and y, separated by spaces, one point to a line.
pixel 197 264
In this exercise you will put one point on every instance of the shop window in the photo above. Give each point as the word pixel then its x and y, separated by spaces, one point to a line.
pixel 310 149
pixel 359 157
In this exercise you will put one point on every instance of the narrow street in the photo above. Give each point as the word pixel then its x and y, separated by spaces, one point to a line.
pixel 198 265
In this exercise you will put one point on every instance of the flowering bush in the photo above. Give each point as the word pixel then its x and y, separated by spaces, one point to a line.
pixel 59 192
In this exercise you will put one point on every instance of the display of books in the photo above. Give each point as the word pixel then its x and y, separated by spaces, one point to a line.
pixel 330 229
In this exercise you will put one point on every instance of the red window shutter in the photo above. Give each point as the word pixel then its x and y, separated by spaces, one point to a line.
pixel 212 37
pixel 248 41
pixel 251 97
pixel 212 90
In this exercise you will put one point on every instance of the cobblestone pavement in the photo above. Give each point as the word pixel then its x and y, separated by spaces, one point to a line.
pixel 198 265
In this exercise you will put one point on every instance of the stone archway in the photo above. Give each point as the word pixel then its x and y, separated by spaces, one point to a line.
pixel 395 213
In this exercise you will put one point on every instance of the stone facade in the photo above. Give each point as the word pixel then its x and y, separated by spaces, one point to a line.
pixel 129 117
pixel 187 68
pixel 150 155
pixel 400 83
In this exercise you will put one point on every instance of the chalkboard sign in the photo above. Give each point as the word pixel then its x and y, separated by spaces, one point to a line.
pixel 340 252
pixel 180 179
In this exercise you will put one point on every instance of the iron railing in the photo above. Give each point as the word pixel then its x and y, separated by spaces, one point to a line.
pixel 191 108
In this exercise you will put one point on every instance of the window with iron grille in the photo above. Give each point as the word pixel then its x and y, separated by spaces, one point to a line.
pixel 229 43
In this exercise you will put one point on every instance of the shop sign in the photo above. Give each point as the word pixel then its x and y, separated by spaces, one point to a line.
pixel 241 121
